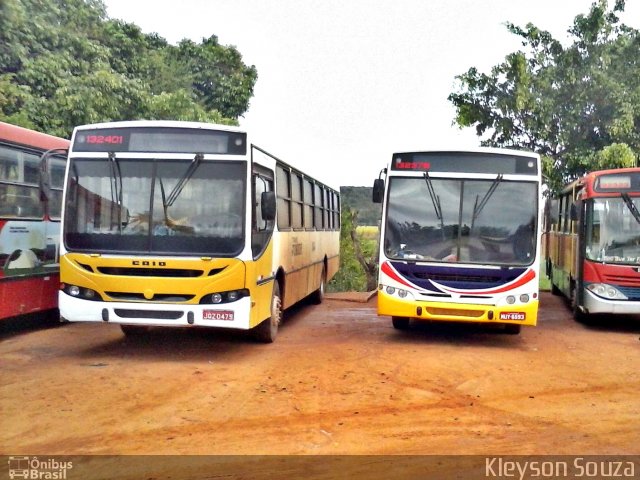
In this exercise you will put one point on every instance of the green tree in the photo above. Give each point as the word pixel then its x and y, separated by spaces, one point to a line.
pixel 358 258
pixel 220 79
pixel 65 63
pixel 569 103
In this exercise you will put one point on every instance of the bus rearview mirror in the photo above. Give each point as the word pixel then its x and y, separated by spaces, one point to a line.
pixel 378 190
pixel 45 186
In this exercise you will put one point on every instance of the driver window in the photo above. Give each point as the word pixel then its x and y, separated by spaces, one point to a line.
pixel 261 229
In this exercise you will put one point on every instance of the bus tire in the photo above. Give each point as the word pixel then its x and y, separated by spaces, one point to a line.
pixel 578 314
pixel 267 330
pixel 318 296
pixel 512 329
pixel 134 330
pixel 400 323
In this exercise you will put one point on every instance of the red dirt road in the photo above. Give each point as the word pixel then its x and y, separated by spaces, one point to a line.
pixel 338 380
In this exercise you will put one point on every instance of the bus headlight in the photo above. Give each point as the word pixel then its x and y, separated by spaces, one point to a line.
pixel 80 292
pixel 606 291
pixel 216 298
pixel 224 297
pixel 524 298
pixel 397 292
pixel 511 299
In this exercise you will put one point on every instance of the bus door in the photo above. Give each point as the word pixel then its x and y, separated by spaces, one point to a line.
pixel 260 274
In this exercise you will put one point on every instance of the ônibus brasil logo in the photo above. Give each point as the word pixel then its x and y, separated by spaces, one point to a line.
pixel 34 468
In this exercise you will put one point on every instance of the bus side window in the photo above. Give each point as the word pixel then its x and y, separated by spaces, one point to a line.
pixel 564 212
pixel 551 215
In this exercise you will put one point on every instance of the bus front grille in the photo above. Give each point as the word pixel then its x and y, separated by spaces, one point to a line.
pixel 630 280
pixel 162 314
pixel 158 297
pixel 150 272
pixel 440 277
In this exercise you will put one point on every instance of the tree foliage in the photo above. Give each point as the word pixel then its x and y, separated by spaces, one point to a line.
pixel 358 257
pixel 578 106
pixel 65 63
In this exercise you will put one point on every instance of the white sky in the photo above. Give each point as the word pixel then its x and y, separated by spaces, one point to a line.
pixel 342 84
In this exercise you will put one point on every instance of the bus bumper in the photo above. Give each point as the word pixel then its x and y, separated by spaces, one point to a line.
pixel 595 304
pixel 227 315
pixel 517 314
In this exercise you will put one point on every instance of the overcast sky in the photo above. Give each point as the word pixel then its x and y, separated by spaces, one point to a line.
pixel 342 84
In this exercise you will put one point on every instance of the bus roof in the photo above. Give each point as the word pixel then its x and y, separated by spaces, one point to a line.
pixel 498 151
pixel 589 178
pixel 159 123
pixel 30 138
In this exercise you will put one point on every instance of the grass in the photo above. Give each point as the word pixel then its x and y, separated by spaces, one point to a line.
pixel 367 231
pixel 545 283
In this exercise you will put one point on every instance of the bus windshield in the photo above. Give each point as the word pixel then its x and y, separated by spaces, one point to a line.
pixel 461 220
pixel 613 233
pixel 155 206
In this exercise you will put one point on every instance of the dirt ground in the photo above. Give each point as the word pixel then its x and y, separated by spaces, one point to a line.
pixel 338 380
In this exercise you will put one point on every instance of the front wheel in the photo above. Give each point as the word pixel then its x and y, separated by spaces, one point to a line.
pixel 267 330
pixel 578 313
pixel 134 330
pixel 512 329
pixel 400 323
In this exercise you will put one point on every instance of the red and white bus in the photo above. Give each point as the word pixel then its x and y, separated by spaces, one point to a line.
pixel 592 240
pixel 29 225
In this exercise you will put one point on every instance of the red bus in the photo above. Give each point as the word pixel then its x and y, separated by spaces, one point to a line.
pixel 29 225
pixel 592 240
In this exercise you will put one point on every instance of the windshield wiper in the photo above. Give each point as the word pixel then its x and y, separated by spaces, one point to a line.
pixel 434 198
pixel 175 193
pixel 487 196
pixel 631 206
pixel 116 186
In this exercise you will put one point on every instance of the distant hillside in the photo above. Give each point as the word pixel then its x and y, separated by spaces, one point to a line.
pixel 359 198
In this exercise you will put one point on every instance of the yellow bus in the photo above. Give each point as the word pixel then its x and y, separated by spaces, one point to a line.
pixel 188 224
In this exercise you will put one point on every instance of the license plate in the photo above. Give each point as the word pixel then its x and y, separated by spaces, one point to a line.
pixel 513 316
pixel 217 315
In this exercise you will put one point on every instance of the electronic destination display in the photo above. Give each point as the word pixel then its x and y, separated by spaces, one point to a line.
pixel 466 162
pixel 161 140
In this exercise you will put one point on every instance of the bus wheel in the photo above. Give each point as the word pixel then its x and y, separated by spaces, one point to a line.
pixel 267 331
pixel 578 314
pixel 134 330
pixel 512 329
pixel 400 323
pixel 318 295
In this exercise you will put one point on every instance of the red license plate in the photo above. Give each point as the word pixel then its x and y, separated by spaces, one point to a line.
pixel 519 316
pixel 217 315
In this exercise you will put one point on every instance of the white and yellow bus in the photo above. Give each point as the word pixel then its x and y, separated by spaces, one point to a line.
pixel 189 224
pixel 460 237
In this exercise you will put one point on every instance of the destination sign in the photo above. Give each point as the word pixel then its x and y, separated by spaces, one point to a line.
pixel 617 182
pixel 160 140
pixel 467 162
